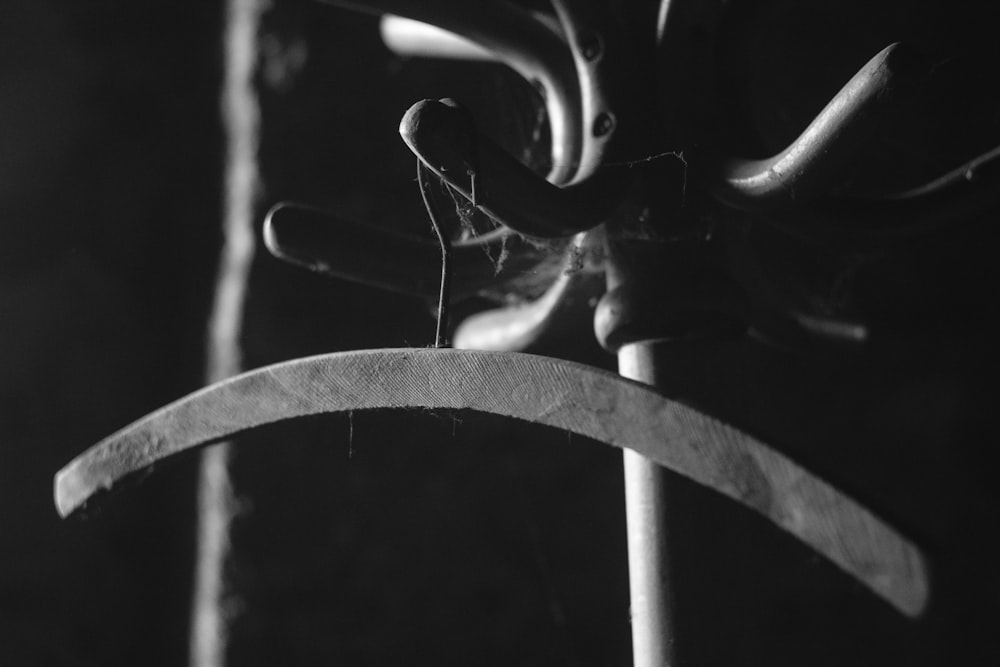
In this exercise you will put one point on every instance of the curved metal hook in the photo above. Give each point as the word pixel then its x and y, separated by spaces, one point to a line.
pixel 612 121
pixel 615 123
pixel 413 38
pixel 568 396
pixel 327 244
pixel 510 192
pixel 805 168
pixel 611 126
pixel 962 194
pixel 518 39
pixel 526 325
pixel 566 305
pixel 791 189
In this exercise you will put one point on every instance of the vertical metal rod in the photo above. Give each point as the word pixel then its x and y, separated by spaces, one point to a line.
pixel 646 516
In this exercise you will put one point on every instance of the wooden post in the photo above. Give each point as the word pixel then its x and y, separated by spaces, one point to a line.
pixel 212 605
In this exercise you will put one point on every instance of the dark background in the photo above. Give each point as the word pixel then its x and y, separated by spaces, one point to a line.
pixel 445 538
pixel 109 192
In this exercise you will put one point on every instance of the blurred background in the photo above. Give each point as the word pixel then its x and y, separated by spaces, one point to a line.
pixel 438 538
pixel 109 200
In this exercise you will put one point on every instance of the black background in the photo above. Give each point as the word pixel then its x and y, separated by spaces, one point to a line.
pixel 442 538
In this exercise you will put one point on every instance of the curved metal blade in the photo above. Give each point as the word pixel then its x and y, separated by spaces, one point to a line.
pixel 565 395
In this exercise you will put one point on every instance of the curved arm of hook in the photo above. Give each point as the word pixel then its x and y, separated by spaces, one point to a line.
pixel 959 197
pixel 322 242
pixel 521 41
pixel 804 169
pixel 507 191
pixel 409 37
pixel 616 124
pixel 564 395
pixel 565 304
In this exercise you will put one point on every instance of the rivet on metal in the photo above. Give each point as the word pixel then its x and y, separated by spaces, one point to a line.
pixel 590 47
pixel 603 124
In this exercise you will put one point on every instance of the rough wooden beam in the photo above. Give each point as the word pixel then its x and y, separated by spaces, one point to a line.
pixel 561 394
pixel 211 603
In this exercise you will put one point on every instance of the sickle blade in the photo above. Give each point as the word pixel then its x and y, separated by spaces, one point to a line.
pixel 565 395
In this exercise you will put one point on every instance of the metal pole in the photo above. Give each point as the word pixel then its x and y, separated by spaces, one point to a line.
pixel 646 516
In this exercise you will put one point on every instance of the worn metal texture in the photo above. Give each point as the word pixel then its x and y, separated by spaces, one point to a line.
pixel 807 165
pixel 561 394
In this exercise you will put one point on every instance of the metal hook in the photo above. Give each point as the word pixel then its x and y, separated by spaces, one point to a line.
pixel 806 167
pixel 518 39
pixel 565 305
pixel 322 242
pixel 611 123
pixel 964 193
pixel 511 193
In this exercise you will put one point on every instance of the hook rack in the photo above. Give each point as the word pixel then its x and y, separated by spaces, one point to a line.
pixel 660 215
